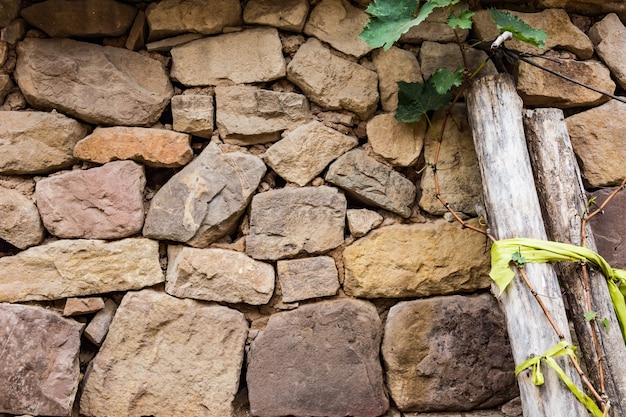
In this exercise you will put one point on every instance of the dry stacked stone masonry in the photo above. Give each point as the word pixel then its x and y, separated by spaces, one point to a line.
pixel 208 209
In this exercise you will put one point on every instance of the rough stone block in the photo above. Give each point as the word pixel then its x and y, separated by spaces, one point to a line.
pixel 302 279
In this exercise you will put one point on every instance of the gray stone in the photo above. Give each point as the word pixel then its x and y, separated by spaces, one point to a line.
pixel 436 29
pixel 218 275
pixel 173 17
pixel 293 221
pixel 73 268
pixel 434 55
pixel 9 10
pixel 20 223
pixel 166 357
pixel 247 115
pixel 37 142
pixel 67 18
pixel 333 82
pixel 448 354
pixel 302 279
pixel 203 202
pixel 250 56
pixel 98 84
pixel 398 142
pixel 98 327
pixel 320 359
pixel 361 221
pixel 609 225
pixel 39 373
pixel 392 66
pixel 339 23
pixel 282 14
pixel 306 151
pixel 84 305
pixel 372 182
pixel 609 36
pixel 193 114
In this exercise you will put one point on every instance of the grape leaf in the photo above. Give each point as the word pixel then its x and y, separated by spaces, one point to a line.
pixel 518 259
pixel 463 20
pixel 606 324
pixel 518 28
pixel 417 99
pixel 590 315
pixel 443 80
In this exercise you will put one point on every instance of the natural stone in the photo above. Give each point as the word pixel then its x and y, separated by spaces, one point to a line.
pixel 417 260
pixel 609 37
pixel 250 56
pixel 434 55
pixel 9 10
pixel 392 66
pixel 306 151
pixel 37 142
pixel 39 373
pixel 325 355
pixel 84 305
pixel 6 85
pixel 138 32
pixel 73 268
pixel 339 23
pixel 539 88
pixel 398 142
pixel 293 221
pixel 67 18
pixel 608 226
pixel 183 357
pixel 562 33
pixel 98 84
pixel 98 327
pixel 361 221
pixel 247 115
pixel 333 82
pixel 287 15
pixel 193 114
pixel 372 182
pixel 218 275
pixel 459 177
pixel 435 28
pixel 20 223
pixel 172 17
pixel 203 202
pixel 302 279
pixel 595 134
pixel 166 45
pixel 98 203
pixel 448 354
pixel 13 32
pixel 152 147
pixel 587 7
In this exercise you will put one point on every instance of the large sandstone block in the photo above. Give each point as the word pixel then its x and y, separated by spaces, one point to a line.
pixel 39 373
pixel 417 260
pixel 250 56
pixel 282 14
pixel 37 142
pixel 98 84
pixel 20 222
pixel 398 142
pixel 320 359
pixel 301 279
pixel 164 356
pixel 609 36
pixel 203 202
pixel 73 268
pixel 448 354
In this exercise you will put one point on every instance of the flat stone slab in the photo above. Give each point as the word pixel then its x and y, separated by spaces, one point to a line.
pixel 306 278
pixel 20 222
pixel 293 221
pixel 101 85
pixel 321 359
pixel 164 356
pixel 39 373
pixel 73 268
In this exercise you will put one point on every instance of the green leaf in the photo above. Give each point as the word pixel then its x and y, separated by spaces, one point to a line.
pixel 463 19
pixel 443 80
pixel 416 99
pixel 590 315
pixel 518 28
pixel 605 323
pixel 518 259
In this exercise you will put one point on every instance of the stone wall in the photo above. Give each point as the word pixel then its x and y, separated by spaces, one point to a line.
pixel 207 208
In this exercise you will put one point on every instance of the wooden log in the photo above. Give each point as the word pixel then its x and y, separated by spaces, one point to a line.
pixel 562 197
pixel 513 210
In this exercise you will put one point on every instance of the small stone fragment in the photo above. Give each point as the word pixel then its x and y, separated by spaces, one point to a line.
pixel 20 223
pixel 398 142
pixel 193 114
pixel 392 66
pixel 98 327
pixel 83 305
pixel 361 221
pixel 166 45
pixel 302 279
pixel 138 32
pixel 6 85
pixel 282 14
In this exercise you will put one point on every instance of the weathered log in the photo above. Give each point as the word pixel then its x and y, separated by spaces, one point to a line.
pixel 562 197
pixel 495 115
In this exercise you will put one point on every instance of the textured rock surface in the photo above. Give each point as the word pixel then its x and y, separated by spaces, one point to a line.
pixel 434 55
pixel 39 372
pixel 325 355
pixel 20 223
pixel 84 305
pixel 333 82
pixel 608 227
pixel 98 203
pixel 203 201
pixel 71 268
pixel 183 357
pixel 301 279
pixel 306 151
pixel 293 221
pixel 448 353
pixel 248 115
pixel 98 327
pixel 361 221
pixel 416 260
pixel 435 28
pixel 218 275
pixel 97 84
pixel 595 134
pixel 282 14
pixel 194 114
pixel 372 182
pixel 37 142
pixel 153 147
pixel 398 142
pixel 392 66
pixel 592 7
pixel 254 55
pixel 9 10
pixel 609 37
